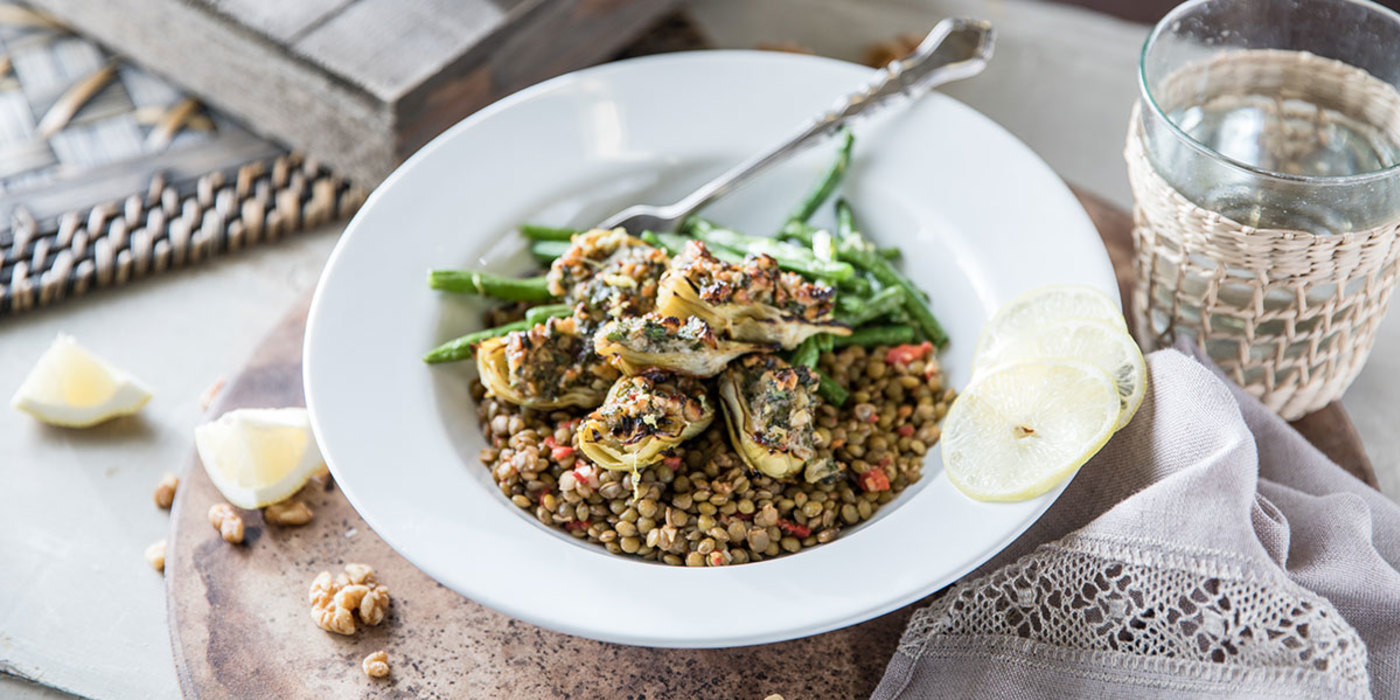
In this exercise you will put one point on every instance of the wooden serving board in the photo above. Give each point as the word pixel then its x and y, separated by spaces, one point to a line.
pixel 240 625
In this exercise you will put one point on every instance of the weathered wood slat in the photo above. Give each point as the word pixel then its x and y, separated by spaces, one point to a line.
pixel 359 84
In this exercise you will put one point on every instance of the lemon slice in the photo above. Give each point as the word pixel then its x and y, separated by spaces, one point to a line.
pixel 1020 429
pixel 1046 306
pixel 71 387
pixel 1102 344
pixel 258 456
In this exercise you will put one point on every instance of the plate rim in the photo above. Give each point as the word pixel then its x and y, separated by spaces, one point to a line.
pixel 521 610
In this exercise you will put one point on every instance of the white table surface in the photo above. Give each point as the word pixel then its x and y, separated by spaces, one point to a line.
pixel 81 610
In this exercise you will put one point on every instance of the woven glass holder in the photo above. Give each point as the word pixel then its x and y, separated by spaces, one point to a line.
pixel 1289 315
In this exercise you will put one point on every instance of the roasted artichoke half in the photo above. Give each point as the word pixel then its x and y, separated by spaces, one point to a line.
pixel 549 366
pixel 770 411
pixel 639 343
pixel 752 301
pixel 608 274
pixel 642 418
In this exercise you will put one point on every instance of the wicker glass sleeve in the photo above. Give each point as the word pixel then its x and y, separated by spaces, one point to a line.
pixel 1264 159
pixel 1290 315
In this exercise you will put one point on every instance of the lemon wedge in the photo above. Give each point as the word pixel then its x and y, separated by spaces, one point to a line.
pixel 1020 429
pixel 258 456
pixel 1046 306
pixel 71 387
pixel 1100 343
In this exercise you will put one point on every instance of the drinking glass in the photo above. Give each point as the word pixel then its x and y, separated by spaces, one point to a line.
pixel 1265 160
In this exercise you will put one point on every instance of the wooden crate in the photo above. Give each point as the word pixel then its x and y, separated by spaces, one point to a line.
pixel 360 84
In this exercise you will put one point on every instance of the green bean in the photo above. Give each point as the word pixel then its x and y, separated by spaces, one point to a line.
pixel 789 257
pixel 486 284
pixel 847 234
pixel 799 231
pixel 823 188
pixel 674 243
pixel 826 342
pixel 845 219
pixel 859 252
pixel 823 247
pixel 462 348
pixel 547 251
pixel 876 335
pixel 857 285
pixel 806 352
pixel 536 315
pixel 536 232
pixel 860 311
pixel 833 393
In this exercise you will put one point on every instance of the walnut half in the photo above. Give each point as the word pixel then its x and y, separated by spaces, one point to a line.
pixel 335 602
pixel 227 521
pixel 376 665
pixel 165 490
pixel 288 513
pixel 155 554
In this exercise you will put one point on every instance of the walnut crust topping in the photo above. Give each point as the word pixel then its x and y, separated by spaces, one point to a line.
pixel 654 333
pixel 376 665
pixel 608 274
pixel 335 602
pixel 292 513
pixel 553 358
pixel 782 402
pixel 227 521
pixel 165 490
pixel 755 281
pixel 651 404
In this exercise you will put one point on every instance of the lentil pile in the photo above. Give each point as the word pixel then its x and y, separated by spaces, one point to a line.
pixel 701 506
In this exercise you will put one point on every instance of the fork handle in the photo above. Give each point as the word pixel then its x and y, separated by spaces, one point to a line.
pixel 915 75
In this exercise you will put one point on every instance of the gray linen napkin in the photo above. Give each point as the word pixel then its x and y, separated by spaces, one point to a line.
pixel 1208 550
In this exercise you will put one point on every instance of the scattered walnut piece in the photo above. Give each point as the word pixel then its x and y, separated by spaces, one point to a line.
pixel 288 513
pixel 375 605
pixel 155 554
pixel 376 665
pixel 165 490
pixel 358 573
pixel 324 611
pixel 211 393
pixel 227 521
pixel 881 53
pixel 334 601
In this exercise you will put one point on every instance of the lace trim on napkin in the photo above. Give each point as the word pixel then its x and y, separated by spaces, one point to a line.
pixel 1144 603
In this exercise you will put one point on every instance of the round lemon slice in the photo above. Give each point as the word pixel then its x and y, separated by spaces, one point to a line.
pixel 1102 344
pixel 1019 429
pixel 71 387
pixel 1046 306
pixel 258 456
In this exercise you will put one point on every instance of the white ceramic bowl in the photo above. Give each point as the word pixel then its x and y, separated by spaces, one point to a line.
pixel 980 219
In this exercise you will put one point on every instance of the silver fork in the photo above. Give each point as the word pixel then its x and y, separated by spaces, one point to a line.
pixel 954 50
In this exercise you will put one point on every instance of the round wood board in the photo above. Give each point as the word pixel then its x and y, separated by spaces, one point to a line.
pixel 240 626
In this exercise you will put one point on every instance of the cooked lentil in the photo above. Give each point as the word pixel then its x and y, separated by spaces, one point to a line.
pixel 701 507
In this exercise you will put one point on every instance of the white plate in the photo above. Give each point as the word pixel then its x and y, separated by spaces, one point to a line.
pixel 979 217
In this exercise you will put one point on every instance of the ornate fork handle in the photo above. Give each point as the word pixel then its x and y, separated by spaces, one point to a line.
pixel 933 63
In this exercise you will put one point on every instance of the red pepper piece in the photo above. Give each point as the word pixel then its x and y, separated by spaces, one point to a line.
pixel 794 529
pixel 905 354
pixel 874 480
